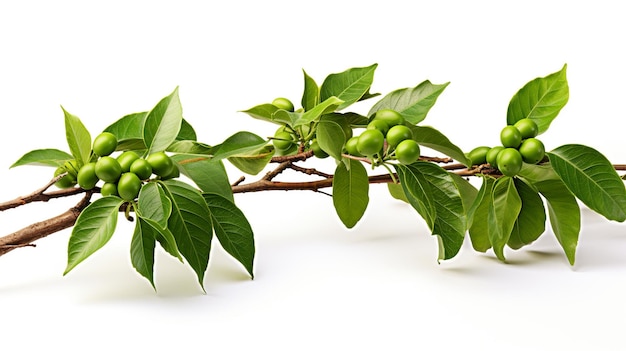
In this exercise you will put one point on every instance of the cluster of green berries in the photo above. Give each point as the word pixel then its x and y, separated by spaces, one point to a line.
pixel 387 137
pixel 122 176
pixel 285 139
pixel 519 145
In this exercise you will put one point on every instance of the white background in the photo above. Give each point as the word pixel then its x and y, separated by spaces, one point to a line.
pixel 318 286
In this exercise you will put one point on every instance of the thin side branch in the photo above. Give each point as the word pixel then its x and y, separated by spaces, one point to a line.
pixel 41 195
pixel 301 156
pixel 436 159
pixel 309 171
pixel 278 170
pixel 239 181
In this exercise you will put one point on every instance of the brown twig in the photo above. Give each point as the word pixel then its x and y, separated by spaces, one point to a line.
pixel 266 185
pixel 453 167
pixel 481 169
pixel 309 171
pixel 239 181
pixel 27 235
pixel 278 170
pixel 41 195
pixel 293 158
pixel 436 159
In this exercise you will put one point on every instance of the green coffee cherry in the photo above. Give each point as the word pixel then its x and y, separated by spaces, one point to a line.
pixel 282 140
pixel 67 181
pixel 532 150
pixel 161 163
pixel 510 137
pixel 104 144
pixel 370 142
pixel 128 186
pixel 351 146
pixel 109 189
pixel 397 134
pixel 108 169
pixel 478 155
pixel 87 178
pixel 317 150
pixel 126 159
pixel 380 125
pixel 492 156
pixel 509 162
pixel 527 127
pixel 283 103
pixel 141 168
pixel 391 117
pixel 408 151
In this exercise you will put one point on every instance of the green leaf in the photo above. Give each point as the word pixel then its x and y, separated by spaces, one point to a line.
pixel 142 247
pixel 311 94
pixel 331 138
pixel 368 95
pixel 232 230
pixel 239 144
pixel 154 204
pixel 347 121
pixel 396 191
pixel 478 214
pixel 350 192
pixel 190 147
pixel 349 85
pixel 540 100
pixel 467 191
pixel 590 176
pixel 418 193
pixel 93 229
pixel 164 236
pixel 163 123
pixel 44 157
pixel 129 131
pixel 531 221
pixel 295 119
pixel 434 139
pixel 564 215
pixel 209 175
pixel 190 222
pixel 186 132
pixel 412 103
pixel 255 162
pixel 78 138
pixel 263 112
pixel 155 208
pixel 538 173
pixel 284 117
pixel 437 189
pixel 503 211
pixel 353 119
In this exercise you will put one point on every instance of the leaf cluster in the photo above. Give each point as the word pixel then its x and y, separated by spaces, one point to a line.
pixel 181 218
